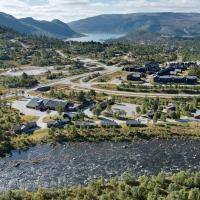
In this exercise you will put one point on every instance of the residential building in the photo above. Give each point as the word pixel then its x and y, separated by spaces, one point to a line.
pixel 45 104
pixel 26 128
pixel 85 124
pixel 134 123
pixel 134 77
pixel 58 123
pixel 176 79
pixel 106 123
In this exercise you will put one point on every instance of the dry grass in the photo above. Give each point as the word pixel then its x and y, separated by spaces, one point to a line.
pixel 106 86
pixel 39 135
pixel 50 118
pixel 29 118
pixel 110 77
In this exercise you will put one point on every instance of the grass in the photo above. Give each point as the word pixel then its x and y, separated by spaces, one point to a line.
pixel 29 118
pixel 106 86
pixel 110 77
pixel 39 135
pixel 50 118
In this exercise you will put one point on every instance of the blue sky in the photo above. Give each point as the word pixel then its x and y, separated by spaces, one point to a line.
pixel 69 10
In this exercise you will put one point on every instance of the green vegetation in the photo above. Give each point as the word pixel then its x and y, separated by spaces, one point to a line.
pixel 43 51
pixel 183 185
pixel 162 131
pixel 20 82
pixel 9 118
pixel 170 89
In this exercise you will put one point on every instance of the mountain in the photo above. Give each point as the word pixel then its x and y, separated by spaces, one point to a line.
pixel 13 23
pixel 54 28
pixel 141 36
pixel 29 25
pixel 173 24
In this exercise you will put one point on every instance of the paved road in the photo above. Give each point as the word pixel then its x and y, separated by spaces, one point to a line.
pixel 82 86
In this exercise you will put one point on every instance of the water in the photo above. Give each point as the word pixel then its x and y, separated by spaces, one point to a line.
pixel 78 163
pixel 96 37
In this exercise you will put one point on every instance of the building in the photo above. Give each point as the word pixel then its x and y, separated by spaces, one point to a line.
pixel 26 128
pixel 171 107
pixel 176 79
pixel 150 114
pixel 152 67
pixel 45 104
pixel 85 124
pixel 43 89
pixel 58 123
pixel 75 107
pixel 134 123
pixel 71 115
pixel 106 123
pixel 139 69
pixel 134 77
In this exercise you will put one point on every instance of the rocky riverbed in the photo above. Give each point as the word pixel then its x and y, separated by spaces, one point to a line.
pixel 77 163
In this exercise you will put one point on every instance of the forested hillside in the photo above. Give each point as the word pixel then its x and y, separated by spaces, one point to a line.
pixel 173 24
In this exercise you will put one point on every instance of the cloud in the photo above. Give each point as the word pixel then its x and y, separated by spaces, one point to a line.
pixel 68 10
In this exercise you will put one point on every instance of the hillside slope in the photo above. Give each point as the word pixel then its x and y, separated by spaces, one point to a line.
pixel 29 25
pixel 174 24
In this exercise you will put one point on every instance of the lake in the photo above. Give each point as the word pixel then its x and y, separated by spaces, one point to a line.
pixel 75 163
pixel 96 37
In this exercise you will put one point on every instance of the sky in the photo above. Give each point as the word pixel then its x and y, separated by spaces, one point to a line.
pixel 70 10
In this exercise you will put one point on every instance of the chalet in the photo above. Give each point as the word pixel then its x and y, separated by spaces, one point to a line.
pixel 58 123
pixel 103 105
pixel 43 89
pixel 171 106
pixel 139 69
pixel 106 123
pixel 118 53
pixel 71 115
pixel 176 79
pixel 152 67
pixel 85 124
pixel 74 107
pixel 53 105
pixel 134 77
pixel 150 114
pixel 87 103
pixel 45 104
pixel 196 116
pixel 37 104
pixel 26 128
pixel 191 79
pixel 134 123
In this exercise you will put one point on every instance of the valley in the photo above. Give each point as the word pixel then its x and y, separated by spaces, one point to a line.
pixel 111 112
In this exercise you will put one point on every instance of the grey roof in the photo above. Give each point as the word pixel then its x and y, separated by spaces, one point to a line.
pixel 25 128
pixel 58 123
pixel 109 123
pixel 133 122
pixel 191 77
pixel 52 104
pixel 71 115
pixel 33 102
pixel 135 74
pixel 85 124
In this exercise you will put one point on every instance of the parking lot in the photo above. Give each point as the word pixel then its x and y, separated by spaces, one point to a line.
pixel 130 109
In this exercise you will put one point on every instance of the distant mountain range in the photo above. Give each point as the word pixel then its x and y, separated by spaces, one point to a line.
pixel 29 25
pixel 131 25
pixel 170 24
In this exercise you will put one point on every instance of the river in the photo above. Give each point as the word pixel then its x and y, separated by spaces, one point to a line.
pixel 77 163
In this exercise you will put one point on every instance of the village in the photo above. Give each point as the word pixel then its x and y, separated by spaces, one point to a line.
pixel 89 113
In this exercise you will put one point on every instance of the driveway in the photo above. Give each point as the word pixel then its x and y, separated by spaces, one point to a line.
pixel 130 109
pixel 21 106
